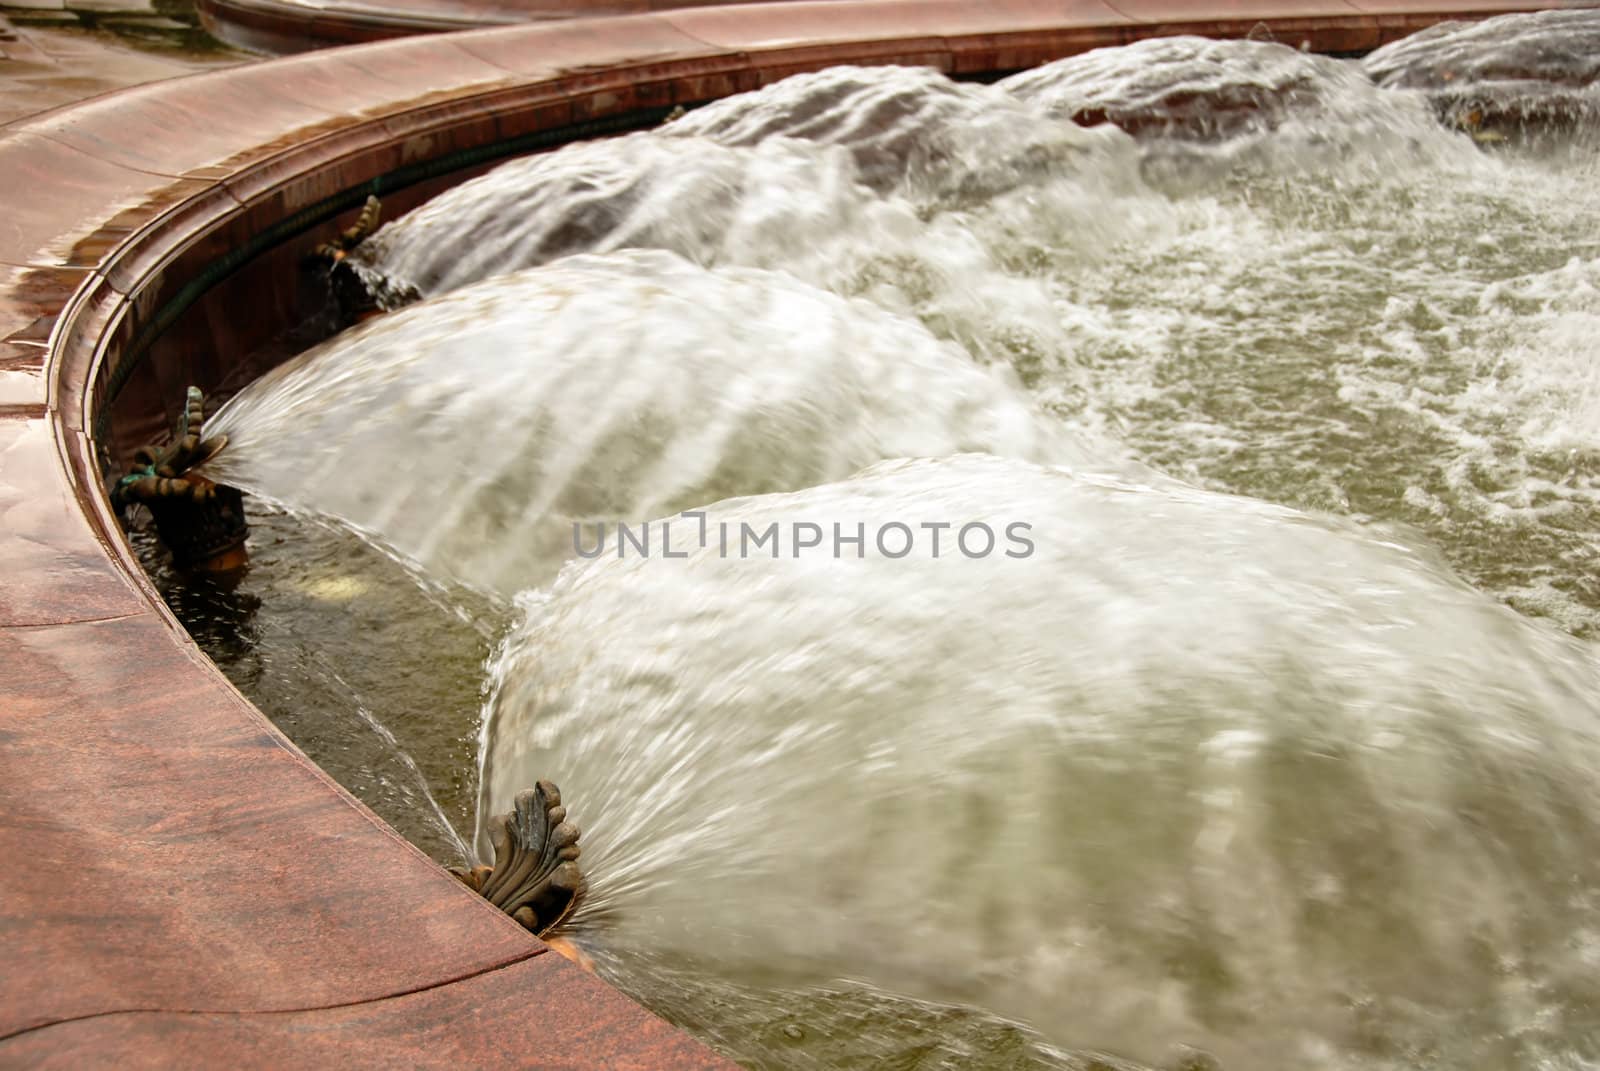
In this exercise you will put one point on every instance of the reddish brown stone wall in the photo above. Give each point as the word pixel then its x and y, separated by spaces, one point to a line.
pixel 182 887
pixel 285 26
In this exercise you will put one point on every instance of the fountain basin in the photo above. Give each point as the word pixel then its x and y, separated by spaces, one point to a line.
pixel 286 26
pixel 242 902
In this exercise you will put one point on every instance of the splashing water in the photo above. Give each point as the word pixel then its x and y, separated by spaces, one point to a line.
pixel 474 432
pixel 788 204
pixel 1502 76
pixel 1200 771
pixel 1307 301
pixel 1327 319
pixel 1196 771
pixel 906 128
pixel 1252 104
pixel 694 197
pixel 1198 87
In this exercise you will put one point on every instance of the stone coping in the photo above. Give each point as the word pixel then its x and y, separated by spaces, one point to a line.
pixel 285 26
pixel 183 887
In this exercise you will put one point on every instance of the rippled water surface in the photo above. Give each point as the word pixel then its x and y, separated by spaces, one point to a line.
pixel 1270 743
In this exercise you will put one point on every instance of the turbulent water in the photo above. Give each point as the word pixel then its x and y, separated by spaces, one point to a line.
pixel 1204 89
pixel 1499 76
pixel 1181 767
pixel 1265 728
pixel 474 432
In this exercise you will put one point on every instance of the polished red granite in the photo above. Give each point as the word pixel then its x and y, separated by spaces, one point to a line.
pixel 285 26
pixel 183 888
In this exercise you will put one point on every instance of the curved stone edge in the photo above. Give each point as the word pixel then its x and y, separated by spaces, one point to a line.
pixel 290 26
pixel 182 857
pixel 479 1022
pixel 284 28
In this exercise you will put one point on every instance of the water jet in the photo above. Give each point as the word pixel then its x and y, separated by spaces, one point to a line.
pixel 113 358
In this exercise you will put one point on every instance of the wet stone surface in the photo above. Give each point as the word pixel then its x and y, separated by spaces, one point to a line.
pixel 55 52
pixel 398 729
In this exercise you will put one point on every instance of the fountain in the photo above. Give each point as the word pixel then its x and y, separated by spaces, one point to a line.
pixel 1181 771
pixel 1502 79
pixel 1173 652
pixel 1142 627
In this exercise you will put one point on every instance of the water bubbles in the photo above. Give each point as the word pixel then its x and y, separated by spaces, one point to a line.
pixel 1206 764
pixel 1205 775
pixel 481 432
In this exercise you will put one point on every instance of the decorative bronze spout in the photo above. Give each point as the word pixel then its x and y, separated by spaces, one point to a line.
pixel 535 878
pixel 352 296
pixel 354 235
pixel 201 522
pixel 358 294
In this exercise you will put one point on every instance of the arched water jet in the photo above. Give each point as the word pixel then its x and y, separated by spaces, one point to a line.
pixel 1196 771
pixel 1524 76
pixel 1204 110
pixel 1191 87
pixel 473 433
pixel 708 203
pixel 1258 357
pixel 907 128
pixel 785 204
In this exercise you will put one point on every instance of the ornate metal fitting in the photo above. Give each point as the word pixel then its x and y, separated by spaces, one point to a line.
pixel 535 878
pixel 352 236
pixel 201 522
pixel 352 296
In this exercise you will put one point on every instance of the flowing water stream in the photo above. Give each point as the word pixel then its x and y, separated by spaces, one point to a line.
pixel 1213 686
